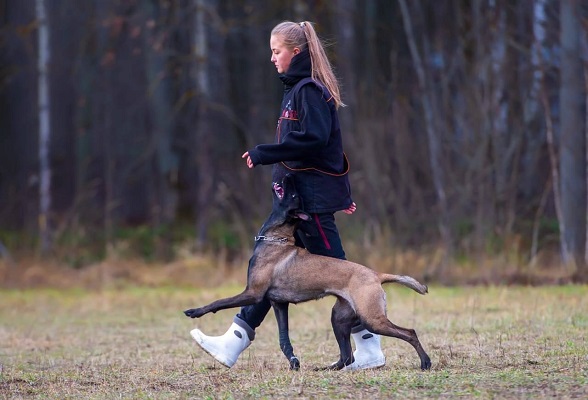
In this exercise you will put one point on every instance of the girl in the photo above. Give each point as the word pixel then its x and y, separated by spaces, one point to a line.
pixel 308 146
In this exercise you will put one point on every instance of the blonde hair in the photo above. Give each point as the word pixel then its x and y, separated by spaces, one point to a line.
pixel 303 35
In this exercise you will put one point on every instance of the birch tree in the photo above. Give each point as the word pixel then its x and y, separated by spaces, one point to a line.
pixel 44 115
pixel 539 90
pixel 202 21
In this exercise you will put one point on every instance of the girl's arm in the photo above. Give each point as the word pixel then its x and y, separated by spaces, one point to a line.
pixel 315 130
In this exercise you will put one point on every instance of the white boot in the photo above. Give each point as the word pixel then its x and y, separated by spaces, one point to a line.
pixel 226 348
pixel 368 352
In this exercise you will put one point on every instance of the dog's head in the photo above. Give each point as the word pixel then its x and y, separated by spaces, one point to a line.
pixel 287 201
pixel 286 212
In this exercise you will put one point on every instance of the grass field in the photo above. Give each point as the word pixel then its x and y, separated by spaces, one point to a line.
pixel 496 342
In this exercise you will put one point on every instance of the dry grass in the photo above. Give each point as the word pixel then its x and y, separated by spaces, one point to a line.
pixel 516 342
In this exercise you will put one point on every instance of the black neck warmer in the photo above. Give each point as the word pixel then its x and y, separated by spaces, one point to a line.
pixel 300 67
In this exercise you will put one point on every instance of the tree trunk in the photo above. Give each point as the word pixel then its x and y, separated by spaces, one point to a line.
pixel 204 129
pixel 573 135
pixel 346 44
pixel 44 128
pixel 583 273
pixel 433 140
pixel 539 89
pixel 165 163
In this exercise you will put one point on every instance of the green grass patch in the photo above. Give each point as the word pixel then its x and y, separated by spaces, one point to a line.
pixel 492 342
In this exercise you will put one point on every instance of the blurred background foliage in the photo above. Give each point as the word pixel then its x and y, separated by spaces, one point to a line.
pixel 465 128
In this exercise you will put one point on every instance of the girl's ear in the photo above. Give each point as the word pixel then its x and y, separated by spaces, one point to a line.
pixel 296 50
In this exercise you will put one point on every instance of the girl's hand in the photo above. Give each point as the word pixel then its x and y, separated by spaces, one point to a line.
pixel 249 162
pixel 351 209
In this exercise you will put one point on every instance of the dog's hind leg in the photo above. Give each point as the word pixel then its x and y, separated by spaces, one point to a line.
pixel 343 318
pixel 281 311
pixel 383 326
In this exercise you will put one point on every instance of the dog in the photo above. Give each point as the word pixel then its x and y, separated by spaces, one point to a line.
pixel 285 273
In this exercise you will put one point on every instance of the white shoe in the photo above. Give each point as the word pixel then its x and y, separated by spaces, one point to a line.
pixel 226 348
pixel 368 352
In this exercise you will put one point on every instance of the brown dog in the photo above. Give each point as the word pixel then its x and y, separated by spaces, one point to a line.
pixel 286 273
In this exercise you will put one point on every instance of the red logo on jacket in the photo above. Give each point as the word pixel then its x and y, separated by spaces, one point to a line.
pixel 287 112
pixel 290 114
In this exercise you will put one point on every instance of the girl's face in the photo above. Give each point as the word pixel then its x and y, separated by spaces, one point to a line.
pixel 281 55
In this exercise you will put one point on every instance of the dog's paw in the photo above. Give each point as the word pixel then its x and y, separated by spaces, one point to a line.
pixel 426 364
pixel 194 313
pixel 336 366
pixel 294 363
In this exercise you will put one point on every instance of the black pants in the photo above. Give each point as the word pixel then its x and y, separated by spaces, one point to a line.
pixel 319 236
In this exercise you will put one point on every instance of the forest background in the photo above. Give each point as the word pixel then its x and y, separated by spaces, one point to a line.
pixel 122 123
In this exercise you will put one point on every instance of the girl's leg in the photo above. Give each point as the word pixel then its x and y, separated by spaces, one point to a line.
pixel 321 236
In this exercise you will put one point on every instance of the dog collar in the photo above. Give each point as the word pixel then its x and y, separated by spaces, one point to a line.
pixel 271 239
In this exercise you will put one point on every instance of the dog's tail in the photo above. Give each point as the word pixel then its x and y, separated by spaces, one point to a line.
pixel 405 280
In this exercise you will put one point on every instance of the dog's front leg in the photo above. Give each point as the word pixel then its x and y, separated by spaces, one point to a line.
pixel 247 297
pixel 281 311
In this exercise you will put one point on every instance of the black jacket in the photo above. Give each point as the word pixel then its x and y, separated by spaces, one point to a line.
pixel 308 142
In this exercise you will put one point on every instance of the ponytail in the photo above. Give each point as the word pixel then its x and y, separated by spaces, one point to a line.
pixel 304 36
